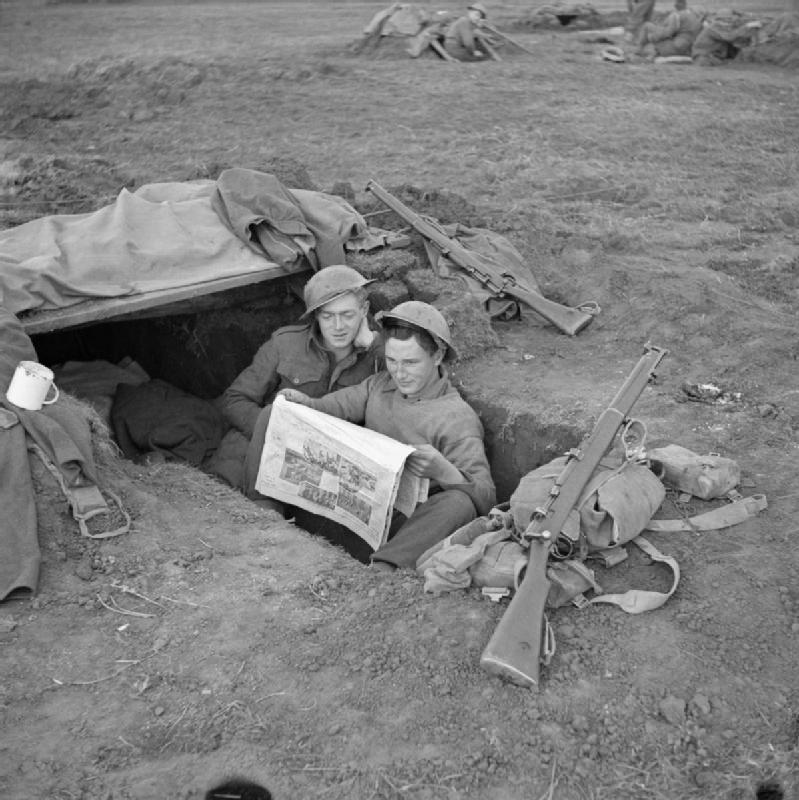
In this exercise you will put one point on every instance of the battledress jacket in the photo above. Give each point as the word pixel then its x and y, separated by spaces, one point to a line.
pixel 460 40
pixel 440 417
pixel 676 35
pixel 294 358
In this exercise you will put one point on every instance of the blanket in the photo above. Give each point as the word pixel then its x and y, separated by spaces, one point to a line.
pixel 287 224
pixel 60 435
pixel 158 417
pixel 19 547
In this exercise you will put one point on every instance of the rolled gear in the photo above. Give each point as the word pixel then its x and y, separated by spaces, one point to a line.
pixel 329 284
pixel 423 316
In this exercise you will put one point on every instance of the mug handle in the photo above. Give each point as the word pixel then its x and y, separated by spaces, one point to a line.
pixel 55 397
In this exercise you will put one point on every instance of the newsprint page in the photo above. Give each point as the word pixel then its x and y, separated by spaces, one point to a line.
pixel 338 470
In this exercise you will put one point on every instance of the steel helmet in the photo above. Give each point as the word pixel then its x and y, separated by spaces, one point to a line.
pixel 329 283
pixel 478 7
pixel 424 316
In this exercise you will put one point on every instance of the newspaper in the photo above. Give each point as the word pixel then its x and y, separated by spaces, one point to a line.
pixel 341 471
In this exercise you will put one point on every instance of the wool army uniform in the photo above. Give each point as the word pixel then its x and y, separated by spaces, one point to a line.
pixel 293 358
pixel 461 40
pixel 440 417
pixel 674 36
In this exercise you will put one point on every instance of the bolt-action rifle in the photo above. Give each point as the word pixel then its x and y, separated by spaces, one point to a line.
pixel 501 35
pixel 523 634
pixel 500 284
pixel 482 41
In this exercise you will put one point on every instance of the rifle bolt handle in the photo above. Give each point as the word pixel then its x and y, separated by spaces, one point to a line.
pixel 544 536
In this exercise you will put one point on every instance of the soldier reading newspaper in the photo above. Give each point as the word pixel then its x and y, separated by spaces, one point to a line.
pixel 338 470
pixel 414 404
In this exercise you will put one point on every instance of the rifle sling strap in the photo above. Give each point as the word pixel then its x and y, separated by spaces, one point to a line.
pixel 722 517
pixel 85 502
pixel 637 601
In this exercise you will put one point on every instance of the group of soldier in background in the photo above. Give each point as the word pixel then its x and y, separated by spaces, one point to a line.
pixel 674 36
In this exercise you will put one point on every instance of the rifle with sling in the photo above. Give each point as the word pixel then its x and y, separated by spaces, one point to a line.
pixel 523 633
pixel 439 48
pixel 506 38
pixel 483 42
pixel 500 284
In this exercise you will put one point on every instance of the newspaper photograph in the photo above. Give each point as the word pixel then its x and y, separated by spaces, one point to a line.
pixel 338 470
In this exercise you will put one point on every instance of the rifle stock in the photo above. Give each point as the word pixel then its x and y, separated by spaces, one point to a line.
pixel 486 45
pixel 503 285
pixel 513 650
pixel 569 320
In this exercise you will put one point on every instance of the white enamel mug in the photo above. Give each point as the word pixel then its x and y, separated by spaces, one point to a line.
pixel 30 386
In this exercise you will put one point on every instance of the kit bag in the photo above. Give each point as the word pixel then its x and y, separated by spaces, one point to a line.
pixel 503 564
pixel 706 477
pixel 617 503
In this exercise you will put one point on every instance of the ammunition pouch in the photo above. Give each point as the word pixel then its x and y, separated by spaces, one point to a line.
pixel 706 477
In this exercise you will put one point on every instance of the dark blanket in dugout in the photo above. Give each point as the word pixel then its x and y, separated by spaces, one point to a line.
pixel 60 433
pixel 158 417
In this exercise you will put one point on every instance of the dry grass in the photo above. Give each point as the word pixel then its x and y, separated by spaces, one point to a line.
pixel 527 137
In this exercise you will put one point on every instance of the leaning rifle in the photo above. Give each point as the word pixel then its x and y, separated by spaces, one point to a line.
pixel 499 284
pixel 506 38
pixel 483 42
pixel 523 634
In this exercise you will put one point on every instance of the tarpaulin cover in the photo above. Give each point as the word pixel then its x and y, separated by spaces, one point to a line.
pixel 165 236
pixel 162 236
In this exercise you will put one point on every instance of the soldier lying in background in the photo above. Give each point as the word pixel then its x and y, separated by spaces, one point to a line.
pixel 464 41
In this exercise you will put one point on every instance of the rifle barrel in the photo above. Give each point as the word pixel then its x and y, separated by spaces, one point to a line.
pixel 507 39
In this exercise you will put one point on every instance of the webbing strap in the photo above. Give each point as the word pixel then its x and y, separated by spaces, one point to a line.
pixel 721 517
pixel 636 601
pixel 85 502
pixel 548 645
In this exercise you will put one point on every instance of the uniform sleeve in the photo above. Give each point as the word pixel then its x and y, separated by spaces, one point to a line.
pixel 469 456
pixel 243 400
pixel 466 36
pixel 348 403
pixel 669 29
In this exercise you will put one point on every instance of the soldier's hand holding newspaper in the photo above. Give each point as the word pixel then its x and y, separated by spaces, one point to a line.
pixel 295 396
pixel 365 335
pixel 426 462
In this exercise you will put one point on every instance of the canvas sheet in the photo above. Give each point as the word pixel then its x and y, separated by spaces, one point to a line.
pixel 171 235
pixel 161 236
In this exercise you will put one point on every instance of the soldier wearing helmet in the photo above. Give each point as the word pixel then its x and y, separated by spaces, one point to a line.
pixel 463 39
pixel 413 401
pixel 674 36
pixel 333 347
